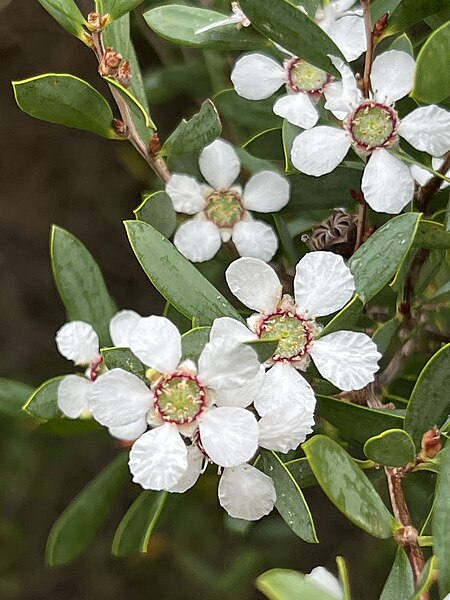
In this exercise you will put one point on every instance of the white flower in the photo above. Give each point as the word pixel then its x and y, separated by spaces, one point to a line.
pixel 238 18
pixel 121 326
pixel 422 176
pixel 372 127
pixel 222 210
pixel 326 581
pixel 345 27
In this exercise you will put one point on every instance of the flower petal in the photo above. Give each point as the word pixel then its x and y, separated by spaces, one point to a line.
pixel 157 342
pixel 284 385
pixel 342 96
pixel 198 240
pixel 266 192
pixel 428 129
pixel 392 75
pixel 241 396
pixel 73 392
pixel 326 581
pixel 230 329
pixel 255 239
pixel 420 175
pixel 229 435
pixel 319 150
pixel 322 284
pixel 225 363
pixel 158 459
pixel 219 164
pixel 129 432
pixel 78 341
pixel 121 326
pixel 284 430
pixel 348 359
pixel 349 35
pixel 194 467
pixel 297 109
pixel 387 183
pixel 119 398
pixel 256 76
pixel 254 283
pixel 246 493
pixel 186 194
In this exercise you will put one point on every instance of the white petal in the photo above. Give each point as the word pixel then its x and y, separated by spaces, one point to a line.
pixel 158 459
pixel 349 35
pixel 241 396
pixel 387 183
pixel 78 341
pixel 345 96
pixel 219 164
pixel 231 329
pixel 255 239
pixel 322 284
pixel 335 101
pixel 157 342
pixel 121 326
pixel 256 76
pixel 254 283
pixel 229 435
pixel 297 109
pixel 186 194
pixel 284 385
pixel 285 430
pixel 266 192
pixel 346 358
pixel 427 128
pixel 194 467
pixel 246 493
pixel 420 175
pixel 225 363
pixel 436 163
pixel 326 581
pixel 392 75
pixel 319 150
pixel 119 398
pixel 129 432
pixel 198 240
pixel 73 394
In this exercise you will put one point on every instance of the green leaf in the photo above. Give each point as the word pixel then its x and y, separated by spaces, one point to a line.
pixel 123 358
pixel 118 8
pixel 347 487
pixel 343 577
pixel 442 293
pixel 193 342
pixel 347 318
pixel 400 580
pixel 78 525
pixel 43 402
pixel 283 584
pixel 432 235
pixel 328 191
pixel 441 522
pixel 136 527
pixel 66 100
pixel 290 250
pixel 13 395
pixel 175 277
pixel 264 348
pixel 67 13
pixel 429 404
pixel 80 283
pixel 251 114
pixel 301 471
pixel 432 76
pixel 291 503
pixel 202 129
pixel 384 334
pixel 178 24
pixel 287 25
pixel 377 260
pixel 71 427
pixel 402 43
pixel 409 12
pixel 427 578
pixel 392 448
pixel 139 113
pixel 157 210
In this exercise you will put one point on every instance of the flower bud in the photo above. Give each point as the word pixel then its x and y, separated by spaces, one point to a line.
pixel 431 443
pixel 380 26
pixel 124 74
pixel 109 64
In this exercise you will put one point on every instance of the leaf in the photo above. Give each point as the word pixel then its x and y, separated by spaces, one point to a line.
pixel 78 525
pixel 67 13
pixel 400 580
pixel 402 43
pixel 432 235
pixel 429 404
pixel 123 358
pixel 392 448
pixel 347 318
pixel 347 487
pixel 66 100
pixel 157 210
pixel 138 523
pixel 43 402
pixel 343 577
pixel 13 395
pixel 251 114
pixel 193 342
pixel 290 250
pixel 118 8
pixel 287 25
pixel 264 348
pixel 139 113
pixel 377 260
pixel 384 334
pixel 301 471
pixel 267 144
pixel 175 277
pixel 328 191
pixel 428 577
pixel 284 584
pixel 441 522
pixel 290 503
pixel 80 283
pixel 409 12
pixel 432 76
pixel 202 129
pixel 71 427
pixel 178 24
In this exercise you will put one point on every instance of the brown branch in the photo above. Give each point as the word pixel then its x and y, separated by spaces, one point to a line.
pixel 427 191
pixel 362 215
pixel 370 47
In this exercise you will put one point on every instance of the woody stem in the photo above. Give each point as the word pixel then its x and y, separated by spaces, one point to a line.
pixel 370 47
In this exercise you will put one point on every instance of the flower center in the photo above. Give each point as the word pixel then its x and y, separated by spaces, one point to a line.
pixel 303 77
pixel 293 331
pixel 224 208
pixel 373 125
pixel 180 398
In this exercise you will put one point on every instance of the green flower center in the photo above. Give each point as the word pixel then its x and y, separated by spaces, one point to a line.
pixel 373 125
pixel 306 78
pixel 224 208
pixel 293 331
pixel 180 398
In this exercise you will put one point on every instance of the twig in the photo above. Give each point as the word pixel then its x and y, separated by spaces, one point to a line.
pixel 362 214
pixel 427 191
pixel 370 47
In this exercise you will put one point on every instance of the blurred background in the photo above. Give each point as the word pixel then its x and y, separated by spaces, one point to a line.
pixel 89 185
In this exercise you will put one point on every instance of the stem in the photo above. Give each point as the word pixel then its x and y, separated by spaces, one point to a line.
pixel 370 47
pixel 362 214
pixel 432 186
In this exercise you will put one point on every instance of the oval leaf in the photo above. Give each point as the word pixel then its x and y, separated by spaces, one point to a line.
pixel 67 13
pixel 13 395
pixel 347 318
pixel 123 358
pixel 400 580
pixel 432 76
pixel 193 342
pixel 441 522
pixel 432 235
pixel 264 348
pixel 409 12
pixel 283 584
pixel 392 448
pixel 117 8
pixel 157 210
pixel 328 191
pixel 43 402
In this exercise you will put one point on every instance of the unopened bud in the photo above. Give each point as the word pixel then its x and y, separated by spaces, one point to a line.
pixel 380 26
pixel 404 308
pixel 119 127
pixel 431 443
pixel 93 21
pixel 109 64
pixel 405 536
pixel 357 196
pixel 155 144
pixel 124 74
